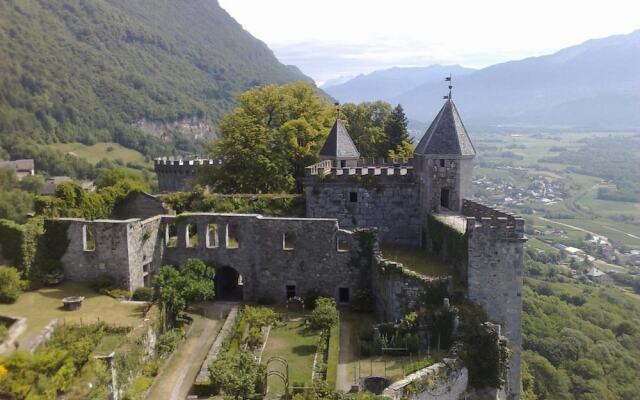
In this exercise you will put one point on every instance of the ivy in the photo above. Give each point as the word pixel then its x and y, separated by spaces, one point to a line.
pixel 450 244
pixel 18 243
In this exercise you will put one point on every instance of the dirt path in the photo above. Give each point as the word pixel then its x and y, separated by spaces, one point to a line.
pixel 181 369
pixel 347 353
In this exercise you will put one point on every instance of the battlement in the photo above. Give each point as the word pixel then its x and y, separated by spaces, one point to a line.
pixel 178 162
pixel 480 216
pixel 324 169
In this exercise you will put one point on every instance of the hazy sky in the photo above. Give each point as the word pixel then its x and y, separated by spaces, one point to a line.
pixel 332 38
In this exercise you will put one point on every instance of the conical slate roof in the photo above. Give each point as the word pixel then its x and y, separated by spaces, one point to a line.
pixel 446 135
pixel 339 143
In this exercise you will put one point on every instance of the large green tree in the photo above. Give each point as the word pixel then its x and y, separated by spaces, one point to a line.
pixel 399 143
pixel 179 288
pixel 269 138
pixel 366 125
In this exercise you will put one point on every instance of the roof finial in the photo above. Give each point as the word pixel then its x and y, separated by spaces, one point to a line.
pixel 448 79
pixel 337 104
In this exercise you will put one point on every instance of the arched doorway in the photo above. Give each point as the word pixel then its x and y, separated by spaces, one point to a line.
pixel 228 284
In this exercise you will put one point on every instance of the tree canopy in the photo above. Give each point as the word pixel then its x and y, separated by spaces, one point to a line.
pixel 277 131
pixel 180 288
pixel 269 138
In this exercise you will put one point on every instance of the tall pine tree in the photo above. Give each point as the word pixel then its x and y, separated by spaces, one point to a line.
pixel 396 129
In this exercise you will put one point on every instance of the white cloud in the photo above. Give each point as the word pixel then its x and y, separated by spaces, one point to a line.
pixel 332 37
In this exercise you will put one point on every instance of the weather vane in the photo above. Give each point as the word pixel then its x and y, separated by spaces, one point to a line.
pixel 448 79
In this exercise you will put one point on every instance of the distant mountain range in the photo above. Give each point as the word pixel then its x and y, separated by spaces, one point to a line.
pixel 389 83
pixel 594 85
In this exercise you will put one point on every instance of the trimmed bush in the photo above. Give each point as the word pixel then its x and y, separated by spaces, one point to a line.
pixel 143 294
pixel 11 285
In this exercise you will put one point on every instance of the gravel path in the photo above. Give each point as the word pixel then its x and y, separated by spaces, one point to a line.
pixel 181 369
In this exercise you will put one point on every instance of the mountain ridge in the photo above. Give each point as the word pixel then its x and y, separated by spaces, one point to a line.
pixel 83 71
pixel 592 85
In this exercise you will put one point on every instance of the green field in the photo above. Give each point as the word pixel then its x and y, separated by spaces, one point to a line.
pixel 582 210
pixel 100 151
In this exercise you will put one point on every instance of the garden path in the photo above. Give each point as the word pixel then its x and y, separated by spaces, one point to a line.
pixel 347 353
pixel 181 369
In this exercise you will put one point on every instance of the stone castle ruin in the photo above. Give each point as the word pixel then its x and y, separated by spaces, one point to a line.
pixel 180 174
pixel 353 206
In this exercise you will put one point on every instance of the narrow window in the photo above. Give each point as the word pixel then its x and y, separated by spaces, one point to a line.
pixel 288 241
pixel 171 235
pixel 88 238
pixel 192 235
pixel 343 245
pixel 442 163
pixel 146 276
pixel 212 236
pixel 291 291
pixel 353 197
pixel 232 238
pixel 343 295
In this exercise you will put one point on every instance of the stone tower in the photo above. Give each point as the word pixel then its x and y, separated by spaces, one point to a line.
pixel 443 161
pixel 339 148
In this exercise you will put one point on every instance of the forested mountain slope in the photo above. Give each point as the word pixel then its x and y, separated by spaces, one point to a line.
pixel 87 70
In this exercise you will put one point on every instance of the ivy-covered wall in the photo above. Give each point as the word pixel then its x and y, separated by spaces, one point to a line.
pixel 18 244
pixel 450 245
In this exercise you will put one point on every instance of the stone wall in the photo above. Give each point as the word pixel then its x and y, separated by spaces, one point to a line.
pixel 384 198
pixel 397 290
pixel 139 205
pixel 494 273
pixel 266 267
pixel 110 256
pixel 180 175
pixel 132 251
pixel 441 381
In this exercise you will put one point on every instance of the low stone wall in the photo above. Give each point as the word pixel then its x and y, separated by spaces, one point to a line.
pixel 43 337
pixel 203 375
pixel 441 381
pixel 17 328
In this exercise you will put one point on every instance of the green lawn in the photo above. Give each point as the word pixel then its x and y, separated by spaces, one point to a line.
pixel 295 344
pixel 98 151
pixel 43 305
pixel 417 260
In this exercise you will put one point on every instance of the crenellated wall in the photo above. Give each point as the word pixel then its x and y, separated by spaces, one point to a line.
pixel 177 175
pixel 495 274
pixel 382 197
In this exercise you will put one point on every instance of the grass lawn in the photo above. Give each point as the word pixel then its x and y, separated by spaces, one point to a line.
pixel 43 305
pixel 417 260
pixel 98 151
pixel 295 344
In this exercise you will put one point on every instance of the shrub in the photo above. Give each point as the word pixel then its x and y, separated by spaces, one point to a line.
pixel 118 294
pixel 311 296
pixel 324 315
pixel 11 284
pixel 103 284
pixel 259 316
pixel 143 294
